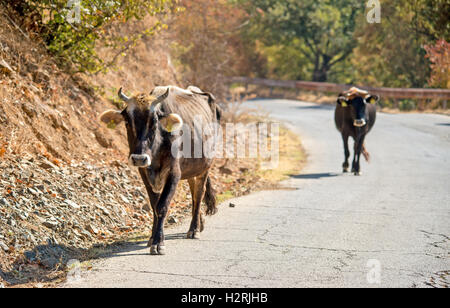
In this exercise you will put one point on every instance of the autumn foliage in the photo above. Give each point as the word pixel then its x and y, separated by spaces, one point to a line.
pixel 208 44
pixel 439 56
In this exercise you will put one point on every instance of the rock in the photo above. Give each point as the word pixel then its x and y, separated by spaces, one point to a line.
pixel 4 247
pixel 40 76
pixel 172 220
pixel 32 191
pixel 106 143
pixel 124 199
pixel 30 256
pixel 48 165
pixel 51 256
pixel 225 170
pixel 86 234
pixel 146 207
pixel 232 205
pixel 72 204
pixel 92 229
pixel 125 228
pixel 51 223
pixel 40 187
pixel 5 68
pixel 29 110
pixel 4 202
pixel 104 211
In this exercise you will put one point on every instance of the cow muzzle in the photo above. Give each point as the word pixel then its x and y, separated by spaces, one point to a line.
pixel 140 161
pixel 359 123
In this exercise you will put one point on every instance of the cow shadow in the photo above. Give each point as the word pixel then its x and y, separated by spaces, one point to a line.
pixel 316 107
pixel 315 176
pixel 47 264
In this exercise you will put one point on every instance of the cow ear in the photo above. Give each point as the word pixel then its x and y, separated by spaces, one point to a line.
pixel 111 117
pixel 172 122
pixel 373 99
pixel 342 101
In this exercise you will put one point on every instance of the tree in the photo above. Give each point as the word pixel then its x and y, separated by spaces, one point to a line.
pixel 392 53
pixel 207 44
pixel 323 29
pixel 430 19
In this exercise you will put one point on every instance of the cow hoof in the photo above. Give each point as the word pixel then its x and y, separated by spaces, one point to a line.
pixel 193 235
pixel 162 250
pixel 358 173
pixel 154 250
pixel 157 250
pixel 345 170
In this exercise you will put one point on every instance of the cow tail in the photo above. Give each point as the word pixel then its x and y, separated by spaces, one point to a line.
pixel 210 198
pixel 365 153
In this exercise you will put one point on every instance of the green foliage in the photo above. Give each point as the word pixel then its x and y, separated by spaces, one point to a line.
pixel 72 29
pixel 325 40
pixel 319 32
pixel 391 53
pixel 430 18
pixel 407 105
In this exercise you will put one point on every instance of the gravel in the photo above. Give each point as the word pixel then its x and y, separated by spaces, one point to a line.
pixel 72 206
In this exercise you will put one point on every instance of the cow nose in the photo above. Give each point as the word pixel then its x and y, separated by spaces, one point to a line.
pixel 141 161
pixel 359 123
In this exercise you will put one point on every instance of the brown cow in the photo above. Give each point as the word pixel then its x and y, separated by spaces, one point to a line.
pixel 152 123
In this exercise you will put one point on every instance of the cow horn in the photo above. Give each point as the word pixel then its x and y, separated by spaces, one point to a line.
pixel 159 100
pixel 123 96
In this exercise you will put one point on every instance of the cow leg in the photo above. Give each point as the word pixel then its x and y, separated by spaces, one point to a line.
pixel 354 155
pixel 153 201
pixel 358 151
pixel 197 220
pixel 192 186
pixel 162 209
pixel 346 165
pixel 192 183
pixel 154 197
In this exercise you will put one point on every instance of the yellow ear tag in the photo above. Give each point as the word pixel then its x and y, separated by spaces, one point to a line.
pixel 167 124
pixel 169 127
pixel 344 104
pixel 172 122
pixel 111 125
pixel 373 100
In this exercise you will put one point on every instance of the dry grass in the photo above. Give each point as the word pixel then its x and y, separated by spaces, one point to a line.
pixel 292 158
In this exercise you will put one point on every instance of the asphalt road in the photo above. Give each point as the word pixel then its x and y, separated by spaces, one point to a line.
pixel 388 228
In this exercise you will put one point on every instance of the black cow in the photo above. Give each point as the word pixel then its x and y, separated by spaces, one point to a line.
pixel 355 116
pixel 151 122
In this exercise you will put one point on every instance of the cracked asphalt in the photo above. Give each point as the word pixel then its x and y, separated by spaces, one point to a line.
pixel 391 225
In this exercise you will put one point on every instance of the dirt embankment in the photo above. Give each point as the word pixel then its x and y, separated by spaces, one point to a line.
pixel 65 186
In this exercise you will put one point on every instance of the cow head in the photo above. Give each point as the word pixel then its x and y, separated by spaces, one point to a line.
pixel 146 125
pixel 356 100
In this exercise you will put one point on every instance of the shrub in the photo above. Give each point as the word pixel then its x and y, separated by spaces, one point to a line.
pixel 407 105
pixel 72 29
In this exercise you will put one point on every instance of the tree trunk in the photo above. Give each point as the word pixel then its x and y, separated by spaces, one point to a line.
pixel 321 70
